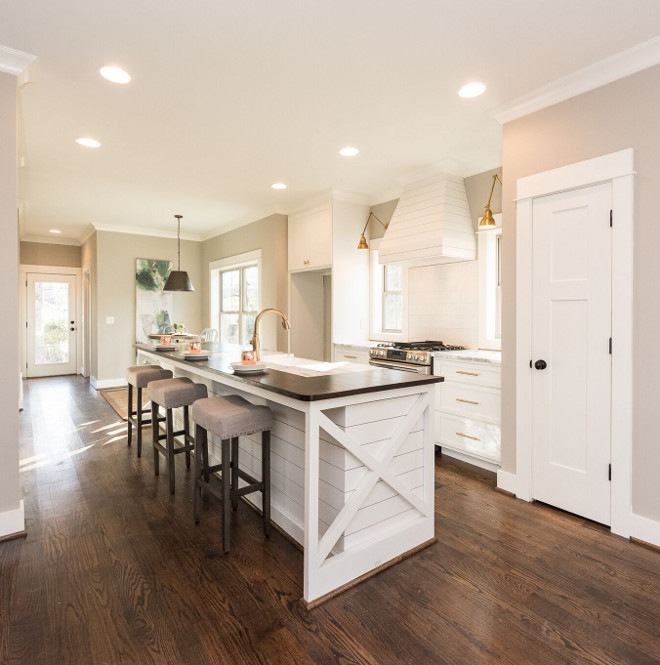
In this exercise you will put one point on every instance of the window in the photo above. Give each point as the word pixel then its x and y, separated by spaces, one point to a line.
pixel 389 300
pixel 235 296
pixel 490 287
pixel 392 298
pixel 238 304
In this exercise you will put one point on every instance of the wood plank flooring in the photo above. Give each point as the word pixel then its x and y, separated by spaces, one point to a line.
pixel 114 571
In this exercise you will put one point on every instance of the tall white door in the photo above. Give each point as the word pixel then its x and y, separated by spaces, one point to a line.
pixel 571 330
pixel 51 325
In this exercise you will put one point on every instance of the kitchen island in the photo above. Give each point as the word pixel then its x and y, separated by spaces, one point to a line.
pixel 352 457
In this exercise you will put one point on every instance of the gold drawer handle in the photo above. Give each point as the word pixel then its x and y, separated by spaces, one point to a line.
pixel 467 436
pixel 353 357
pixel 467 401
pixel 458 371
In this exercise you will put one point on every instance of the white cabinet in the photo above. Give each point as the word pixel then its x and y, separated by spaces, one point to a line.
pixel 467 410
pixel 328 278
pixel 353 354
pixel 310 240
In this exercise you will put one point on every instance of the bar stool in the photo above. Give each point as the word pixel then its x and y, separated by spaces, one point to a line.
pixel 139 376
pixel 228 418
pixel 170 394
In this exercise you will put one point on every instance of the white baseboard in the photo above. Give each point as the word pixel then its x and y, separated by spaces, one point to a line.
pixel 12 521
pixel 107 383
pixel 469 459
pixel 646 529
pixel 507 481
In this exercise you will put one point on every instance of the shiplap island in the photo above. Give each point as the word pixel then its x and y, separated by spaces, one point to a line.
pixel 352 460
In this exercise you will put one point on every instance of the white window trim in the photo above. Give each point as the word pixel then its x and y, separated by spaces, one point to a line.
pixel 220 265
pixel 487 241
pixel 376 333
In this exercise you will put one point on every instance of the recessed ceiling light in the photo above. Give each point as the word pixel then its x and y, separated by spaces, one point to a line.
pixel 348 151
pixel 88 143
pixel 278 185
pixel 55 231
pixel 114 74
pixel 473 89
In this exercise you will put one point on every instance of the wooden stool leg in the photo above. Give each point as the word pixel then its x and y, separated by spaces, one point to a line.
pixel 234 472
pixel 130 413
pixel 226 496
pixel 170 448
pixel 139 422
pixel 154 436
pixel 205 456
pixel 186 427
pixel 265 477
pixel 200 433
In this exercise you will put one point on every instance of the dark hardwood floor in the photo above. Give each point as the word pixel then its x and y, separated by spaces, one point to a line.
pixel 113 570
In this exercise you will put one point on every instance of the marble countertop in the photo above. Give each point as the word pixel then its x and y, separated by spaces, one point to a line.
pixel 471 355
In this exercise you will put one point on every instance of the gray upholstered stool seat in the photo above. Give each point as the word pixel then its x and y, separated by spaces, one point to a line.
pixel 138 377
pixel 228 418
pixel 170 394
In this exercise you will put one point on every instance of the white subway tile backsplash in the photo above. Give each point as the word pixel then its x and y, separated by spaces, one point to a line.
pixel 443 303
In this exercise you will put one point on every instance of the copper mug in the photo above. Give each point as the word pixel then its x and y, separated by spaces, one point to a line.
pixel 166 340
pixel 194 347
pixel 248 358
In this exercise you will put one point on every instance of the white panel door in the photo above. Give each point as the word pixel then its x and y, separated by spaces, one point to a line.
pixel 51 325
pixel 571 329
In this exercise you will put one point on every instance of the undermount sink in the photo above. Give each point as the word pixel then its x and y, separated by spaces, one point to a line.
pixel 289 360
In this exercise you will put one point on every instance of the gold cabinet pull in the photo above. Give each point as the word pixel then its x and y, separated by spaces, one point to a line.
pixel 458 371
pixel 306 262
pixel 467 401
pixel 467 436
pixel 347 356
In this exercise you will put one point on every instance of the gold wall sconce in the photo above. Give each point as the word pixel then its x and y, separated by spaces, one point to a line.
pixel 363 241
pixel 487 222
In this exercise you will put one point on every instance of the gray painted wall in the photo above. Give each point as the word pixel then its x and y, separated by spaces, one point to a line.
pixel 49 254
pixel 116 254
pixel 269 235
pixel 623 114
pixel 9 475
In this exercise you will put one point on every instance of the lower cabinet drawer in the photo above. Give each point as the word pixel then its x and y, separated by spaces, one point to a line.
pixel 469 401
pixel 351 355
pixel 469 436
pixel 472 374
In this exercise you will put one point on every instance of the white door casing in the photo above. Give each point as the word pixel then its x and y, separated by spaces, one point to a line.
pixel 617 168
pixel 571 328
pixel 51 299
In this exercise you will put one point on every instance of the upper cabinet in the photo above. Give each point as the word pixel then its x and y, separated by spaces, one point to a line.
pixel 310 239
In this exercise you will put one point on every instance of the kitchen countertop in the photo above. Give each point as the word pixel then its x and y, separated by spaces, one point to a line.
pixel 306 388
pixel 471 355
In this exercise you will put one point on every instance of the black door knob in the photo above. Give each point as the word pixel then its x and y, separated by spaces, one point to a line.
pixel 540 364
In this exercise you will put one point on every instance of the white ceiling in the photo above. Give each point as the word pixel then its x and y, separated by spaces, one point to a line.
pixel 229 97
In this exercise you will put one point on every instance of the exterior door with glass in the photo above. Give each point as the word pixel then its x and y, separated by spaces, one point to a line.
pixel 51 325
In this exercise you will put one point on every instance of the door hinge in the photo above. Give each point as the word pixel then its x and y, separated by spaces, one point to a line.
pixel 610 346
pixel 530 364
pixel 609 472
pixel 611 216
pixel 26 325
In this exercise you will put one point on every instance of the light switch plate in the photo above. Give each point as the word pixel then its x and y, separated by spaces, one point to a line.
pixel 109 320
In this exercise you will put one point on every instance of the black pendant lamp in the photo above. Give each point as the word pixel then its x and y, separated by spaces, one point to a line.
pixel 178 279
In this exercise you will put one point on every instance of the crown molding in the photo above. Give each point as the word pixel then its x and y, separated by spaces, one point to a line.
pixel 52 240
pixel 618 66
pixel 13 61
pixel 158 233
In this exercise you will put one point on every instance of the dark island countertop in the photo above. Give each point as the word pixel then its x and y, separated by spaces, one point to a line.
pixel 305 388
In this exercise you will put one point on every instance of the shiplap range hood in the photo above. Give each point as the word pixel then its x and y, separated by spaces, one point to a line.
pixel 431 224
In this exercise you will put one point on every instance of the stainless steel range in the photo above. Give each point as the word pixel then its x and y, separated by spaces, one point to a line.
pixel 409 356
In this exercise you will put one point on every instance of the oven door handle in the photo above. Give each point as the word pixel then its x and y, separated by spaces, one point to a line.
pixel 397 366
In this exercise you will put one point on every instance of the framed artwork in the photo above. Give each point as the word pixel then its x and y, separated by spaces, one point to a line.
pixel 153 306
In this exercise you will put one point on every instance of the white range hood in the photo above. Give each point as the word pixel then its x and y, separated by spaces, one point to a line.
pixel 431 224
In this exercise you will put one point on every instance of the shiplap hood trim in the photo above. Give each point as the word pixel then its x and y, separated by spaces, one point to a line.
pixel 431 224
